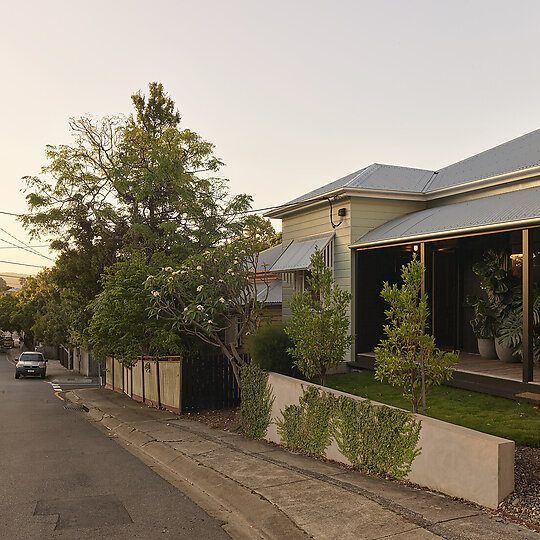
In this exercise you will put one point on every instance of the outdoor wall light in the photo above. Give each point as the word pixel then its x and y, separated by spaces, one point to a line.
pixel 415 247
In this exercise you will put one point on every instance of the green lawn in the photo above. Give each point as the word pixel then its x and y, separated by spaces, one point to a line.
pixel 495 415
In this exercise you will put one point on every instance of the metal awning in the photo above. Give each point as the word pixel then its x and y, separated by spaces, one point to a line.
pixel 297 255
pixel 520 208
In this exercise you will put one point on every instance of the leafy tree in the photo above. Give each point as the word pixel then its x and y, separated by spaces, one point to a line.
pixel 35 309
pixel 408 357
pixel 214 296
pixel 319 323
pixel 143 183
pixel 8 307
pixel 124 187
pixel 121 323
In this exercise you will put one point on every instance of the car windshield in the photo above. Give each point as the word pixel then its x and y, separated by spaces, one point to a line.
pixel 31 357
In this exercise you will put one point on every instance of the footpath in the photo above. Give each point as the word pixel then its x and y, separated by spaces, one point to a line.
pixel 260 490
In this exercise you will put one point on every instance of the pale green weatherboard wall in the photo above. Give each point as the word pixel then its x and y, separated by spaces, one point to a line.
pixel 363 214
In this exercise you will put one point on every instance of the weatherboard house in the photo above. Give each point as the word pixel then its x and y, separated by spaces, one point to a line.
pixel 369 223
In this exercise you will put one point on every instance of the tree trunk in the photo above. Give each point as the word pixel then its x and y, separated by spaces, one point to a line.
pixel 322 376
pixel 235 360
pixel 423 374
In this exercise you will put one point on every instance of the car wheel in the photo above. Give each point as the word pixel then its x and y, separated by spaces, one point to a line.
pixel 17 375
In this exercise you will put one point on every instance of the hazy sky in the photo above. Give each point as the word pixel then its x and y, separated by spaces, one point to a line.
pixel 293 94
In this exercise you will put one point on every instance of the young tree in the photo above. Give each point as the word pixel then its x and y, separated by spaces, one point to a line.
pixel 408 357
pixel 319 323
pixel 214 296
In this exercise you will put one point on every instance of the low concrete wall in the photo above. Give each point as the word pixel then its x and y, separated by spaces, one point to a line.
pixel 455 460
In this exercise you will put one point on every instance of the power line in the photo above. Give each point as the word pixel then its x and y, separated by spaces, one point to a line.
pixel 278 206
pixel 22 247
pixel 22 264
pixel 10 214
pixel 26 245
pixel 33 251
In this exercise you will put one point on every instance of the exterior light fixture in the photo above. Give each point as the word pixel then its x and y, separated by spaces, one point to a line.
pixel 415 248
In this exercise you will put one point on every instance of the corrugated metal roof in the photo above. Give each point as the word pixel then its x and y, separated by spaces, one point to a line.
pixel 274 295
pixel 268 257
pixel 520 153
pixel 518 205
pixel 377 176
pixel 297 254
pixel 517 154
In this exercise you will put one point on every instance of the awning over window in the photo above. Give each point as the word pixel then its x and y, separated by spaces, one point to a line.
pixel 521 207
pixel 297 254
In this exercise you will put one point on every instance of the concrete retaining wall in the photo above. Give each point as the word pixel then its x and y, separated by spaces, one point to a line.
pixel 455 460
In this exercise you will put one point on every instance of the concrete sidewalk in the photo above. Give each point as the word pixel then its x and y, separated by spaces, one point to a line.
pixel 260 490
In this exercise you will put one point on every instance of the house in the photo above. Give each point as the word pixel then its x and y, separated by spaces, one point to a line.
pixel 268 287
pixel 370 222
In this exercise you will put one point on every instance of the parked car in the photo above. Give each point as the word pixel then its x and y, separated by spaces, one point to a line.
pixel 32 364
pixel 8 343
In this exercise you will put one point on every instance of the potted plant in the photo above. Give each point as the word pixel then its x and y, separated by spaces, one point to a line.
pixel 502 298
pixel 483 327
pixel 511 330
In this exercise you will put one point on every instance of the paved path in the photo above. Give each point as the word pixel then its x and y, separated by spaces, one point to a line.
pixel 278 494
pixel 61 478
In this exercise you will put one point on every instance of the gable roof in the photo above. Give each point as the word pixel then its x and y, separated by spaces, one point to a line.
pixel 515 155
pixel 479 214
pixel 377 176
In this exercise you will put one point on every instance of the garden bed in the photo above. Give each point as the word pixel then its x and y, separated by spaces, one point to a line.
pixel 502 417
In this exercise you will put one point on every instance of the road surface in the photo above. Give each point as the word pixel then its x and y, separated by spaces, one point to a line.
pixel 62 478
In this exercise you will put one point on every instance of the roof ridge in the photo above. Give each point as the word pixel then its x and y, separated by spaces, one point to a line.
pixel 367 171
pixel 429 182
pixel 489 149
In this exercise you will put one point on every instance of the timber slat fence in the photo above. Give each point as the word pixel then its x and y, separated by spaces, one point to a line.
pixel 188 384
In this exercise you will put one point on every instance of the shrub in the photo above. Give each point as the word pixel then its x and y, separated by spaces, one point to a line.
pixel 257 401
pixel 268 349
pixel 372 437
pixel 307 426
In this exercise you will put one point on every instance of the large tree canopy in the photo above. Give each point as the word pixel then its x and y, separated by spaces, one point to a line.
pixel 137 183
pixel 127 192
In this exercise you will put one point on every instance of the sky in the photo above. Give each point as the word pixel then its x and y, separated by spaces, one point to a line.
pixel 294 94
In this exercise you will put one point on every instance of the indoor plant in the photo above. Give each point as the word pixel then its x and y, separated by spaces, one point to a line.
pixel 502 299
pixel 483 327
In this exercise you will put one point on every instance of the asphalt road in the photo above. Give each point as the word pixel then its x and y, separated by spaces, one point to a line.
pixel 62 478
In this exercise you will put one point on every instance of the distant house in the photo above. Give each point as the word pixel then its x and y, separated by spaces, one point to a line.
pixel 269 292
pixel 269 285
pixel 11 290
pixel 371 221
